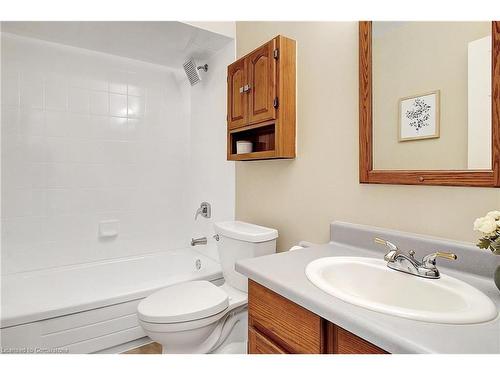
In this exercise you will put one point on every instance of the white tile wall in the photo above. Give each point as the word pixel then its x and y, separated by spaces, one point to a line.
pixel 89 137
pixel 208 146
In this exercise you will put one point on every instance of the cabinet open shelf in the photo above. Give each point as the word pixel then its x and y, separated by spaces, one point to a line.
pixel 260 155
pixel 262 138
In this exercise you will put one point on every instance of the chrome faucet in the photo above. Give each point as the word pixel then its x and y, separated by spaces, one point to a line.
pixel 205 210
pixel 399 261
pixel 198 241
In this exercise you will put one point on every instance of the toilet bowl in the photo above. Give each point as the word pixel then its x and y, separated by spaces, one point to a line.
pixel 199 317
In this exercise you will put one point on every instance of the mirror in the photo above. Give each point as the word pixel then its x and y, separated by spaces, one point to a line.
pixel 431 95
pixel 427 113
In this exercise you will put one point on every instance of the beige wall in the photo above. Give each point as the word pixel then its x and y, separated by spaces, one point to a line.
pixel 414 58
pixel 301 197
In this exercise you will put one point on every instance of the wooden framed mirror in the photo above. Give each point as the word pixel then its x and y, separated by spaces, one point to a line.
pixel 450 131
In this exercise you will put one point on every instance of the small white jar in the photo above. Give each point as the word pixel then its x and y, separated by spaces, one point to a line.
pixel 243 147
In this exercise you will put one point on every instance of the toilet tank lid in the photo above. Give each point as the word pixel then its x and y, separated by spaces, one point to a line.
pixel 240 230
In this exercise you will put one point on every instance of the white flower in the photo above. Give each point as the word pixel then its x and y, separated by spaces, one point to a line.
pixel 494 214
pixel 486 225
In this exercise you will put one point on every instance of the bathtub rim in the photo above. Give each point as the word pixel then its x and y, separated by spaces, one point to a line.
pixel 211 274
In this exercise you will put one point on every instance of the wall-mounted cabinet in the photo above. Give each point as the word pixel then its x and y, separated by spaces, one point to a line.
pixel 261 102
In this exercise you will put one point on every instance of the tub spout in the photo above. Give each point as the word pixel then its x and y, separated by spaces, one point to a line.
pixel 198 241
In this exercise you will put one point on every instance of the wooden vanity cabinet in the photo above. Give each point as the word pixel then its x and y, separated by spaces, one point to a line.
pixel 277 325
pixel 261 101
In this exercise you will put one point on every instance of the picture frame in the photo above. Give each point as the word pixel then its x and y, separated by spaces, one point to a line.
pixel 419 116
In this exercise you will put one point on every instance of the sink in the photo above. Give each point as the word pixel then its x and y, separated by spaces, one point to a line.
pixel 369 283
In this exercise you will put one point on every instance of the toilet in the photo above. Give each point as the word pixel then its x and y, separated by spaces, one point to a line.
pixel 200 317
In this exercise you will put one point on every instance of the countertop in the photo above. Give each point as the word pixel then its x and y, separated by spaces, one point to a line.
pixel 284 273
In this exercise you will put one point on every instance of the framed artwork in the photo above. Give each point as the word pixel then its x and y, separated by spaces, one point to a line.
pixel 419 117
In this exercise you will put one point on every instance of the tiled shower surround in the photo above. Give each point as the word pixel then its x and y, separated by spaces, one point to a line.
pixel 89 137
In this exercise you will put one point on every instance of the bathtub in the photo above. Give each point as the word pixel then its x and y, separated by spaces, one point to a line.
pixel 91 307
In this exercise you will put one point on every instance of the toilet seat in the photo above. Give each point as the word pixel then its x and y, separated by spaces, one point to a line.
pixel 183 326
pixel 185 302
pixel 146 314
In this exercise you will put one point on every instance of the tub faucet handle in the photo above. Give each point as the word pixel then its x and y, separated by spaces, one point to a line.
pixel 205 210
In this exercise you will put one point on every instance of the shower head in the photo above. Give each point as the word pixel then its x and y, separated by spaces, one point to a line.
pixel 192 71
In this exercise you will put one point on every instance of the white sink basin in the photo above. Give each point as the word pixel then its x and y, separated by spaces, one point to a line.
pixel 369 283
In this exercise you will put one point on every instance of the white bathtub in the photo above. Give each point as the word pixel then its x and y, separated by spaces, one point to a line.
pixel 91 307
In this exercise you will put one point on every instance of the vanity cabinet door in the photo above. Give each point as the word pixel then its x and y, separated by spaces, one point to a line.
pixel 237 98
pixel 262 79
pixel 290 326
pixel 341 341
pixel 278 325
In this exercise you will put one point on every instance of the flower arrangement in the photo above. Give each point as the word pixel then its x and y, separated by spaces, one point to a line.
pixel 489 226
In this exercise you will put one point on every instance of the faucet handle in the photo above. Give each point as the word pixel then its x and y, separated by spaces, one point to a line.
pixel 446 255
pixel 430 260
pixel 389 244
pixel 204 210
pixel 393 249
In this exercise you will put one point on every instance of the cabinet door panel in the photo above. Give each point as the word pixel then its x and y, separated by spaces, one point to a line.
pixel 259 344
pixel 341 341
pixel 237 99
pixel 262 78
pixel 287 324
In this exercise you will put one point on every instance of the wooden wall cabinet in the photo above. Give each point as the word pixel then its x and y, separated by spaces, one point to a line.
pixel 261 101
pixel 277 325
pixel 445 177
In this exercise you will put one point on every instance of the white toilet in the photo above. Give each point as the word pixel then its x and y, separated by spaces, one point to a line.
pixel 199 317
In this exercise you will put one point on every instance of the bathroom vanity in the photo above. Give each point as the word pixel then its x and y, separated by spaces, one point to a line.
pixel 289 314
pixel 277 325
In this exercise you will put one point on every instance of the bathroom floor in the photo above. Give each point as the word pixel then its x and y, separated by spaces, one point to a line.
pixel 153 348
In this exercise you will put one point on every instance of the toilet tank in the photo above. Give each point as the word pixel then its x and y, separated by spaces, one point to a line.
pixel 239 240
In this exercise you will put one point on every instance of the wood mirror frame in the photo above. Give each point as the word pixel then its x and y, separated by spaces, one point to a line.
pixel 485 178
